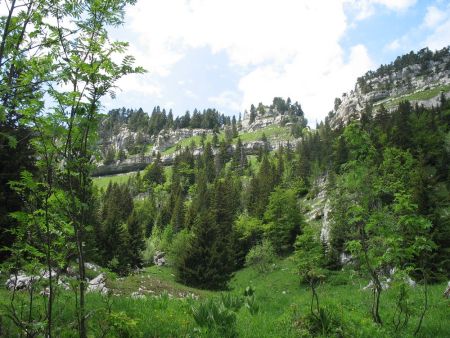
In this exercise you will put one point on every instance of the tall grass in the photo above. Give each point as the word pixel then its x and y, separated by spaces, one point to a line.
pixel 283 304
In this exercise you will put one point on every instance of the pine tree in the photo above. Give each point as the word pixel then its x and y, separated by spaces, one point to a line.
pixel 154 173
pixel 208 163
pixel 135 243
pixel 116 208
pixel 209 260
pixel 177 220
pixel 234 127
pixel 260 188
pixel 284 219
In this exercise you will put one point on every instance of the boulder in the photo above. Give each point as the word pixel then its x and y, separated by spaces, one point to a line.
pixel 19 282
pixel 447 291
pixel 159 258
pixel 98 284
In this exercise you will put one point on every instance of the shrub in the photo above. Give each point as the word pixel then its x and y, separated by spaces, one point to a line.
pixel 214 317
pixel 159 240
pixel 261 256
pixel 180 244
pixel 149 251
pixel 326 323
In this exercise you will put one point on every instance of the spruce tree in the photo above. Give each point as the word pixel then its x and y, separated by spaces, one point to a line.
pixel 154 173
pixel 177 220
pixel 135 243
pixel 209 260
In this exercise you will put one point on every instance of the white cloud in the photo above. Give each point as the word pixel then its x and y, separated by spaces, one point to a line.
pixel 397 5
pixel 3 9
pixel 440 37
pixel 433 17
pixel 366 8
pixel 282 48
pixel 314 87
pixel 139 83
pixel 227 99
pixel 189 93
pixel 437 21
pixel 394 45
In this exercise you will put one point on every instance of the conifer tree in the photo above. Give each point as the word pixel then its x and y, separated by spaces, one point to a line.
pixel 260 188
pixel 209 260
pixel 177 220
pixel 154 173
pixel 208 163
pixel 135 243
pixel 234 127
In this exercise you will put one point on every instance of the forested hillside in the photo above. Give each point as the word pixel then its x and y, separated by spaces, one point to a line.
pixel 255 225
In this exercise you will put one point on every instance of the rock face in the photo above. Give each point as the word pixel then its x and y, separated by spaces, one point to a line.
pixel 168 138
pixel 124 137
pixel 133 163
pixel 409 80
pixel 270 117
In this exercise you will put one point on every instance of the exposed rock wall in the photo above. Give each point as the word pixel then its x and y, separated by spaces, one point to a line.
pixel 409 80
pixel 168 138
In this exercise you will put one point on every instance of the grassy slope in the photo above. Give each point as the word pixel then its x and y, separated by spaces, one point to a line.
pixel 280 296
pixel 103 181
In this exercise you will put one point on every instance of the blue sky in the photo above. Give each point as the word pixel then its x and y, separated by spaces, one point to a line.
pixel 228 54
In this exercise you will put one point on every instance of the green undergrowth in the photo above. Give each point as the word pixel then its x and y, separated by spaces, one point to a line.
pixel 282 307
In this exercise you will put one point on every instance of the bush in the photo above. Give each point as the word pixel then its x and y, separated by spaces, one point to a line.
pixel 179 246
pixel 326 323
pixel 261 257
pixel 215 318
pixel 159 240
pixel 149 251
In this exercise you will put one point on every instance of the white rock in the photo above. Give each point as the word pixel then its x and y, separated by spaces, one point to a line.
pixel 92 266
pixel 137 295
pixel 19 282
pixel 98 284
pixel 159 259
pixel 447 291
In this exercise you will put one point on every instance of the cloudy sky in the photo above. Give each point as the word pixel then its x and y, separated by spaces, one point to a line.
pixel 229 54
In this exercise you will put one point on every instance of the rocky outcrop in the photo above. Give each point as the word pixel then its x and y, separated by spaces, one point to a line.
pixel 130 164
pixel 396 85
pixel 168 138
pixel 123 137
pixel 262 121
